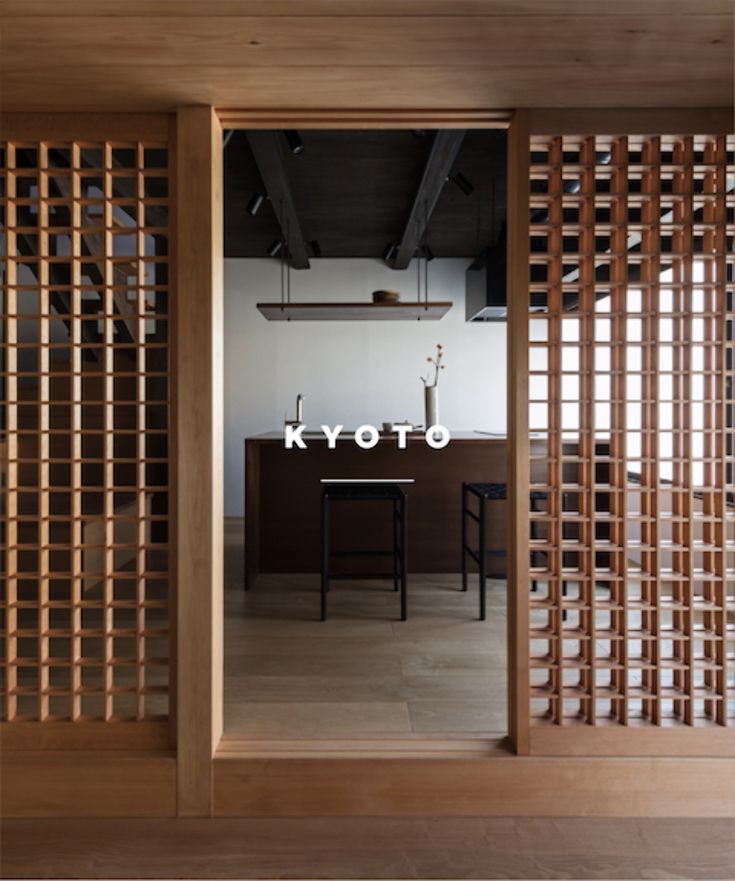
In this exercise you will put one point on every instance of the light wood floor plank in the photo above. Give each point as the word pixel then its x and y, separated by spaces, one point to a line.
pixel 313 718
pixel 362 672
pixel 460 716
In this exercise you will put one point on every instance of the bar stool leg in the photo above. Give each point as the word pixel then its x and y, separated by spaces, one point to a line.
pixel 325 555
pixel 483 559
pixel 404 587
pixel 464 537
pixel 396 539
pixel 246 586
pixel 534 554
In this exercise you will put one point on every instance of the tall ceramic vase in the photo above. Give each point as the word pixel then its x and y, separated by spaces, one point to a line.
pixel 431 405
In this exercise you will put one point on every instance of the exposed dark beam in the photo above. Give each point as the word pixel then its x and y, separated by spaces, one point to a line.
pixel 268 152
pixel 436 171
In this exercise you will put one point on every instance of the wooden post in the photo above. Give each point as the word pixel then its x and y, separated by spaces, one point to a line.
pixel 518 441
pixel 198 353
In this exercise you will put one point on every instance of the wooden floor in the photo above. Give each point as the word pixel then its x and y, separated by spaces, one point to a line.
pixel 363 672
pixel 376 848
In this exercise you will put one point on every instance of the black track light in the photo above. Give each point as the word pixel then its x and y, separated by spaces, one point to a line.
pixel 295 144
pixel 461 181
pixel 428 253
pixel 389 253
pixel 275 248
pixel 256 200
pixel 316 251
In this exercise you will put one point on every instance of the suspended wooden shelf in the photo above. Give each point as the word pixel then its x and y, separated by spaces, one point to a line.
pixel 432 311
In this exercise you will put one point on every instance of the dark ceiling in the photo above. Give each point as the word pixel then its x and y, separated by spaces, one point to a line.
pixel 353 192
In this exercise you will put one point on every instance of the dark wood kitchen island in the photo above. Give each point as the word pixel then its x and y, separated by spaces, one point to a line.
pixel 283 500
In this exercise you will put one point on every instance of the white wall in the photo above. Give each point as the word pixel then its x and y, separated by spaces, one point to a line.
pixel 350 372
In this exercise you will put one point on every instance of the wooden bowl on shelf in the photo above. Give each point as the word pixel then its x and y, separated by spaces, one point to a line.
pixel 386 297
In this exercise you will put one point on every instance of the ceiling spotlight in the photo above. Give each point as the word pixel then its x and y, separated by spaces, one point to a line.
pixel 427 252
pixel 295 144
pixel 256 200
pixel 275 248
pixel 389 253
pixel 418 132
pixel 461 181
pixel 316 251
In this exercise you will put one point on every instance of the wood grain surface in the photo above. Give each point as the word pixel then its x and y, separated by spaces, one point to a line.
pixel 377 848
pixel 481 54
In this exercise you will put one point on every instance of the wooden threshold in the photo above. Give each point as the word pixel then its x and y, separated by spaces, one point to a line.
pixel 423 747
pixel 494 785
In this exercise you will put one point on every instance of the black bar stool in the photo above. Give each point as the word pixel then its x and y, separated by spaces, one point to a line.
pixel 363 491
pixel 484 492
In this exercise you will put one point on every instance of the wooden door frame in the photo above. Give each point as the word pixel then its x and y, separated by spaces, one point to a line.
pixel 199 342
pixel 199 468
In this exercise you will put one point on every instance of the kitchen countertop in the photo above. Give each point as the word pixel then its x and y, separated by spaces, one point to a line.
pixel 348 435
pixel 283 496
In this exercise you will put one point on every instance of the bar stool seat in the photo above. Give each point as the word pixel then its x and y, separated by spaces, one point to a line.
pixel 365 491
pixel 491 491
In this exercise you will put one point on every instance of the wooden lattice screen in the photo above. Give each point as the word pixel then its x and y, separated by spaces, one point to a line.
pixel 85 430
pixel 631 410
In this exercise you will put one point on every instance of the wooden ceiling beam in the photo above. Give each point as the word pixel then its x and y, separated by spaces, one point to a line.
pixel 268 153
pixel 436 171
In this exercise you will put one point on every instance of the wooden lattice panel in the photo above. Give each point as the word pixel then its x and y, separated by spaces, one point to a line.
pixel 631 376
pixel 85 433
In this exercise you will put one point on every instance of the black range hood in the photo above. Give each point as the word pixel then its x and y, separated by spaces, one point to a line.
pixel 485 295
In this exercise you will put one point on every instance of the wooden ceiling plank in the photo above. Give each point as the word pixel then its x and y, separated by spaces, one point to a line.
pixel 268 152
pixel 360 8
pixel 301 41
pixel 436 171
pixel 637 83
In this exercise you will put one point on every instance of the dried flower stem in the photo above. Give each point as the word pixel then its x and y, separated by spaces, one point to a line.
pixel 436 362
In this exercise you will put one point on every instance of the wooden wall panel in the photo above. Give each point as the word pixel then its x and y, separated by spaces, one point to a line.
pixel 86 434
pixel 631 289
pixel 88 784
